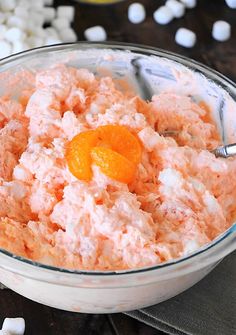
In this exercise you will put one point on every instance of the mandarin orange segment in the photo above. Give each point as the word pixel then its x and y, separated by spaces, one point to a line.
pixel 113 164
pixel 78 155
pixel 122 141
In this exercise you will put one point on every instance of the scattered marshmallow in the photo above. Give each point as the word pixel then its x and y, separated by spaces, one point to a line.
pixel 19 46
pixel 37 18
pixel 67 12
pixel 21 12
pixel 5 49
pixel 4 332
pixel 60 23
pixel 176 7
pixel 231 3
pixel 163 15
pixel 48 2
pixel 52 40
pixel 189 3
pixel 2 17
pixel 14 326
pixel 7 5
pixel 221 31
pixel 49 14
pixel 3 30
pixel 136 13
pixel 14 34
pixel 185 37
pixel 96 33
pixel 68 35
pixel 37 4
pixel 16 21
pixel 51 32
pixel 35 42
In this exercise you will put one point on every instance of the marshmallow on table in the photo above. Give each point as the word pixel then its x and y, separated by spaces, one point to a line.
pixel 19 46
pixel 3 30
pixel 2 17
pixel 21 12
pixel 16 21
pixel 136 13
pixel 14 326
pixel 52 40
pixel 51 32
pixel 48 2
pixel 36 17
pixel 34 42
pixel 49 13
pixel 96 34
pixel 189 3
pixel 185 37
pixel 163 15
pixel 24 3
pixel 68 35
pixel 36 4
pixel 231 3
pixel 14 34
pixel 176 7
pixel 5 49
pixel 221 31
pixel 61 23
pixel 67 12
pixel 7 5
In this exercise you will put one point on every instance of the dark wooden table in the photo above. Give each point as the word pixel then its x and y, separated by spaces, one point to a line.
pixel 220 56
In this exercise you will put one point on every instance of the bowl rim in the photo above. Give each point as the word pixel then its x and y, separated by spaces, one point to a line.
pixel 148 51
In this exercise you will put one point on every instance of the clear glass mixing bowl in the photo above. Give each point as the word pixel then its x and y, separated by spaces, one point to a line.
pixel 149 70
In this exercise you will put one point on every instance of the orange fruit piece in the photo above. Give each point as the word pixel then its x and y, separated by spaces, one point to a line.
pixel 113 164
pixel 122 141
pixel 113 148
pixel 78 154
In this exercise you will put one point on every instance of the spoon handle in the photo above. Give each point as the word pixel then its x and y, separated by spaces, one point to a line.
pixel 225 151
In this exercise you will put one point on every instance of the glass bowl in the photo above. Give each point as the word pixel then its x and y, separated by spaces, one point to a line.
pixel 149 70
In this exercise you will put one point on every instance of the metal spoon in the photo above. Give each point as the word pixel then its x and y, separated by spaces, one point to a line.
pixel 224 151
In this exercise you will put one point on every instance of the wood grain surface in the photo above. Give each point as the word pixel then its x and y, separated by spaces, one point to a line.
pixel 220 56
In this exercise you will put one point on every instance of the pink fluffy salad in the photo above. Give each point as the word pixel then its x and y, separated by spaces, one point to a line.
pixel 181 198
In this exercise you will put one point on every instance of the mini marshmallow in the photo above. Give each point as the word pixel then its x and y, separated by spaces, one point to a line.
pixel 51 32
pixel 14 326
pixel 61 23
pixel 49 14
pixel 39 32
pixel 19 46
pixel 68 35
pixel 48 2
pixel 5 49
pixel 231 3
pixel 2 17
pixel 221 31
pixel 3 30
pixel 36 17
pixel 189 3
pixel 176 7
pixel 163 15
pixel 136 13
pixel 24 3
pixel 185 37
pixel 7 5
pixel 4 332
pixel 16 21
pixel 96 34
pixel 14 34
pixel 35 42
pixel 21 12
pixel 37 4
pixel 52 40
pixel 67 12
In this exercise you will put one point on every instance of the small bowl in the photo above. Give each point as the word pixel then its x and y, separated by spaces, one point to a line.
pixel 149 70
